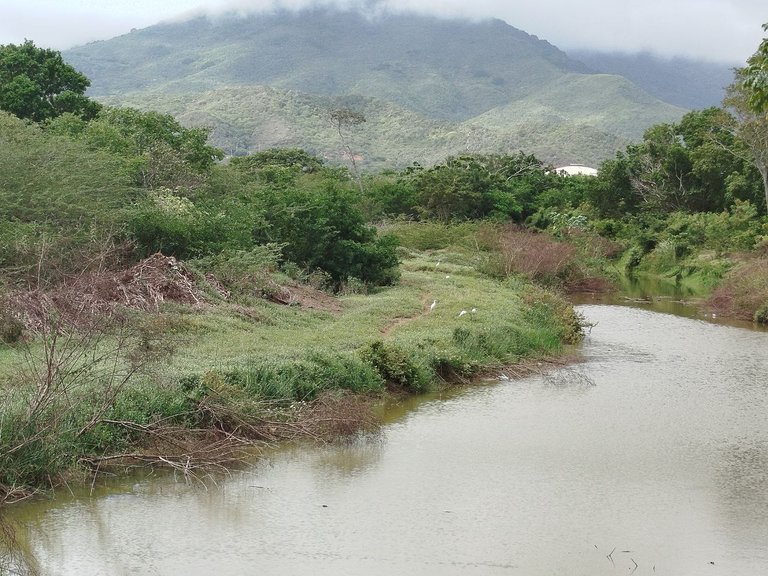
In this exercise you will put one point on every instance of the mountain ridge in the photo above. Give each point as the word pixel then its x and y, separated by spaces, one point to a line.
pixel 472 78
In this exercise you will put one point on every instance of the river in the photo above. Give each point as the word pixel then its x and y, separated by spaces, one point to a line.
pixel 650 457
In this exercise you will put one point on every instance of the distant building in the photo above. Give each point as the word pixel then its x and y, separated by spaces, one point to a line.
pixel 575 169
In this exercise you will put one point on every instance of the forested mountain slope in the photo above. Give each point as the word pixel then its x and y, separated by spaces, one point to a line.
pixel 428 87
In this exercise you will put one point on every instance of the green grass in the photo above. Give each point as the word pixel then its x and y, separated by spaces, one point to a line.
pixel 234 365
pixel 223 341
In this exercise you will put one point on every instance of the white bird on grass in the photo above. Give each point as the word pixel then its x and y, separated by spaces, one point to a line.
pixel 462 313
pixel 432 306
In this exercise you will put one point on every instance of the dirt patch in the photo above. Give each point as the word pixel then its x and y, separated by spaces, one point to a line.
pixel 306 297
pixel 395 323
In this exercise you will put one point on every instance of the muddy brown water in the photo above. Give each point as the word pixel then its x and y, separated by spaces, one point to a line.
pixel 648 458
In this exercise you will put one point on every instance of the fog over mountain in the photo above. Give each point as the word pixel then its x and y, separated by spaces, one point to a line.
pixel 725 31
pixel 429 87
pixel 692 84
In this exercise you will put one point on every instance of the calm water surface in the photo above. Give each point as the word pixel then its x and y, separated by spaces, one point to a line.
pixel 650 457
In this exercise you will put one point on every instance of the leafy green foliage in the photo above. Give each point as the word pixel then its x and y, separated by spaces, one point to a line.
pixel 60 203
pixel 305 379
pixel 695 165
pixel 323 228
pixel 36 84
pixel 176 226
pixel 155 147
pixel 397 367
pixel 51 179
pixel 750 126
pixel 268 165
pixel 755 79
pixel 472 187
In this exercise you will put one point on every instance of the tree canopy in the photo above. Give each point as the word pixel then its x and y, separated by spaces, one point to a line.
pixel 36 84
pixel 159 150
pixel 696 165
pixel 755 77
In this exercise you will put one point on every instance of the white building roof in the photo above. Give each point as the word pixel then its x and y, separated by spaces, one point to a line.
pixel 575 169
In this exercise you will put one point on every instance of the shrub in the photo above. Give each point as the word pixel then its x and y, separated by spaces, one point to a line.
pixel 11 327
pixel 324 229
pixel 397 367
pixel 244 271
pixel 534 255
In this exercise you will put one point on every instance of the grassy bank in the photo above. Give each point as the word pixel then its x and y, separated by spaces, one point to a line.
pixel 194 386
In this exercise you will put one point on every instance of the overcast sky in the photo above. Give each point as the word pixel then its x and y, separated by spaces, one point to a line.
pixel 720 30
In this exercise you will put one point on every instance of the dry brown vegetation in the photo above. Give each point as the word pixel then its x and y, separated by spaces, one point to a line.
pixel 98 295
pixel 546 260
pixel 104 294
pixel 743 294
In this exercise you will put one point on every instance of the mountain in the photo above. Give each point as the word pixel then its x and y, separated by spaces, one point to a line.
pixel 683 82
pixel 251 118
pixel 428 86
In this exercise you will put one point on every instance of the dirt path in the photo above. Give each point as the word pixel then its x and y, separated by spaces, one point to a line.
pixel 426 302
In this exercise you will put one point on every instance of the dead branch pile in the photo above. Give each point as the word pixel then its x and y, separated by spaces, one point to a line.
pixel 89 296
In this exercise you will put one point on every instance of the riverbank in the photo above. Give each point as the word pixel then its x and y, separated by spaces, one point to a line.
pixel 578 466
pixel 196 385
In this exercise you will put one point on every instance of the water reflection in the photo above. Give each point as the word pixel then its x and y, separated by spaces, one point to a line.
pixel 350 459
pixel 573 378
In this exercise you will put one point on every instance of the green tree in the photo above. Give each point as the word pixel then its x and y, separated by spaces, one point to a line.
pixel 36 84
pixel 479 186
pixel 324 229
pixel 277 166
pixel 612 193
pixel 701 164
pixel 158 149
pixel 755 77
pixel 750 127
pixel 61 203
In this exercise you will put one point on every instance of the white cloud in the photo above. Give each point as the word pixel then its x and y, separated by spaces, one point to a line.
pixel 722 30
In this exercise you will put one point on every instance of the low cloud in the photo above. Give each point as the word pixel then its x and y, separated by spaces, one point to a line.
pixel 719 30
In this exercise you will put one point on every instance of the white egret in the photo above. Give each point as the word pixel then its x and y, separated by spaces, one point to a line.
pixel 462 313
pixel 432 306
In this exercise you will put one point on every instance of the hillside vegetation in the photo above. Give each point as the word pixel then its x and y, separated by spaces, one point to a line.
pixel 428 87
pixel 684 82
pixel 255 118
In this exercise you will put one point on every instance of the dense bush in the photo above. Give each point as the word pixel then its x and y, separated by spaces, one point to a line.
pixel 324 229
pixel 397 367
pixel 744 292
